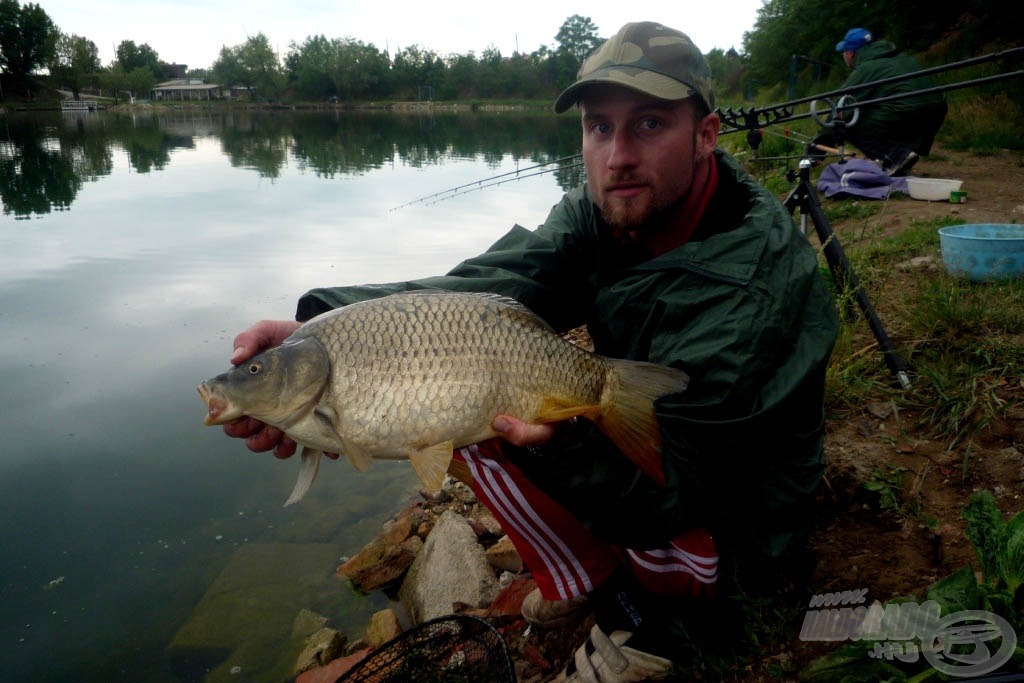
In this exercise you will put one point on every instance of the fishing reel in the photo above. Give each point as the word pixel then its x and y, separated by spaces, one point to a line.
pixel 841 113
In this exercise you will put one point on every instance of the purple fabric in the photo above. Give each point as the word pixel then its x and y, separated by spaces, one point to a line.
pixel 858 177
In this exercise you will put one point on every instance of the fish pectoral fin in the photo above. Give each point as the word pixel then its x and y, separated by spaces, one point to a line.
pixel 307 473
pixel 359 458
pixel 431 464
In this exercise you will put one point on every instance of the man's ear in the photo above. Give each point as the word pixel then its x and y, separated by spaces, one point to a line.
pixel 707 135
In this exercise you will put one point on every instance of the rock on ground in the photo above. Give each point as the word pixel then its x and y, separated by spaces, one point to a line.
pixel 451 569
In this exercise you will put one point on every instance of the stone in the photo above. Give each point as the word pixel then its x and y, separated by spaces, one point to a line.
pixel 509 602
pixel 383 627
pixel 250 608
pixel 406 522
pixel 451 568
pixel 330 672
pixel 384 567
pixel 369 555
pixel 307 622
pixel 322 647
pixel 504 556
pixel 485 524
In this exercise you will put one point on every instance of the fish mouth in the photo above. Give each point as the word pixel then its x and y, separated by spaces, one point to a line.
pixel 215 405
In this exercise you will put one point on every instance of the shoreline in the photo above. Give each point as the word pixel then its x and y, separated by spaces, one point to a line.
pixel 396 106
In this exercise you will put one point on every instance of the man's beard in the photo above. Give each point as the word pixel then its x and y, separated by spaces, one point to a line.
pixel 626 218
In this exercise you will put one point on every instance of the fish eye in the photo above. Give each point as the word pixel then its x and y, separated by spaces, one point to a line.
pixel 254 368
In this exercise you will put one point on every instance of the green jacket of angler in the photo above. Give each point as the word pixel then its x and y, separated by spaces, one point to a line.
pixel 742 308
pixel 909 121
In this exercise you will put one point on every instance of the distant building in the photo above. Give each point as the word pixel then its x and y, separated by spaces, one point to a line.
pixel 187 89
pixel 240 92
pixel 176 71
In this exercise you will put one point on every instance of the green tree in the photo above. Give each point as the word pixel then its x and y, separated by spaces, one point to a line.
pixel 460 78
pixel 309 67
pixel 140 81
pixel 363 70
pixel 346 68
pixel 28 39
pixel 728 70
pixel 227 68
pixel 415 67
pixel 578 37
pixel 131 56
pixel 261 62
pixel 75 60
pixel 253 65
pixel 113 80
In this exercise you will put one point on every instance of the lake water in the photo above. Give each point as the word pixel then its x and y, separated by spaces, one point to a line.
pixel 137 544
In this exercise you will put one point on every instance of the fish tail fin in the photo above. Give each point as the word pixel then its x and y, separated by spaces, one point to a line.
pixel 627 414
pixel 310 466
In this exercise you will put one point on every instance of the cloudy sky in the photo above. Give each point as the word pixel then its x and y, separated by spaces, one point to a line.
pixel 193 31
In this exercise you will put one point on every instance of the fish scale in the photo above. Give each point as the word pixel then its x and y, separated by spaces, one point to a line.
pixel 418 374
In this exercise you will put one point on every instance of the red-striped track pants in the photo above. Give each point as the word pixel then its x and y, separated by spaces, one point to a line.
pixel 565 559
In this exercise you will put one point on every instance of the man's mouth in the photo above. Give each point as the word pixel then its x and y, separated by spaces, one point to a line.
pixel 624 190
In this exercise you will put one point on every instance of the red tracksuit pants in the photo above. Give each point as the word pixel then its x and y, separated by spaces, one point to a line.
pixel 565 559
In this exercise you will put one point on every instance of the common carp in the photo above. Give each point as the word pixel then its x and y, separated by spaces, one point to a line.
pixel 417 374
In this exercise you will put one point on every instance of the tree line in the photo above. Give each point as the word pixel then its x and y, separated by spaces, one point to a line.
pixel 791 42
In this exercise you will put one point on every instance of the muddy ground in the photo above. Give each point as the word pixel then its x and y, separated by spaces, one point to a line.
pixel 894 552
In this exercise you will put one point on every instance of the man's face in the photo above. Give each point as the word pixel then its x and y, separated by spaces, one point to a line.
pixel 640 155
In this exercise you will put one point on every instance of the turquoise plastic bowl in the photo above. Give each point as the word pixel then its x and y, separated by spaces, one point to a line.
pixel 983 251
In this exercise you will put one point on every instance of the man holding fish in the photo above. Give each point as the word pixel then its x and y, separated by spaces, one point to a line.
pixel 641 497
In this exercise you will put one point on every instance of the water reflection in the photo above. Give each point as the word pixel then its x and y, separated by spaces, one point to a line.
pixel 45 159
pixel 153 240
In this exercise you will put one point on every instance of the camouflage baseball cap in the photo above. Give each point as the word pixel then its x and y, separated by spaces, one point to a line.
pixel 648 57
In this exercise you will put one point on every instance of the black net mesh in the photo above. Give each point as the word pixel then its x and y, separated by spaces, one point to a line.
pixel 451 649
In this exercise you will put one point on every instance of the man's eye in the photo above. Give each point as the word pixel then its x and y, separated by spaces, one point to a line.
pixel 650 124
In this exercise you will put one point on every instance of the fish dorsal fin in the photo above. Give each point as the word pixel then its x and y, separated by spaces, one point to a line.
pixel 307 473
pixel 500 299
pixel 431 464
pixel 524 311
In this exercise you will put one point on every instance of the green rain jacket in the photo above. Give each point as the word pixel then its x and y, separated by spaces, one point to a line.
pixel 741 308
pixel 908 121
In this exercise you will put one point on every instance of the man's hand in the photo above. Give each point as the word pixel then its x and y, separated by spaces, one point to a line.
pixel 265 334
pixel 260 437
pixel 519 433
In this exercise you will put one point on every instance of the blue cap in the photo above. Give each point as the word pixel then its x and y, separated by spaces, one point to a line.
pixel 855 39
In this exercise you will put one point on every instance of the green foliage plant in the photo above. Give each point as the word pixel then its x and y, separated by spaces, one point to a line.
pixel 999 547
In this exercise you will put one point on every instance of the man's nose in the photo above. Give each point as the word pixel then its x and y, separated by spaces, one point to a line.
pixel 624 151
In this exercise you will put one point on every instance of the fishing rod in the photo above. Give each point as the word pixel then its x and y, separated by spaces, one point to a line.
pixel 518 176
pixel 781 114
pixel 759 117
pixel 490 182
pixel 755 118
